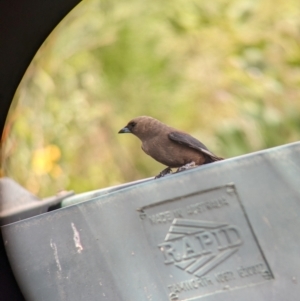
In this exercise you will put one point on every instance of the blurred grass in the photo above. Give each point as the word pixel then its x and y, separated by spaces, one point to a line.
pixel 228 72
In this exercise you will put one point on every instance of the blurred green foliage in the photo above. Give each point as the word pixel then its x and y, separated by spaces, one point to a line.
pixel 226 71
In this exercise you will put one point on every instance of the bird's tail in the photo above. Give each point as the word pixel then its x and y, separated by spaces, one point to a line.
pixel 213 158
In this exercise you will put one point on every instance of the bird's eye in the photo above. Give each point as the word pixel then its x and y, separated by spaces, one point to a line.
pixel 132 124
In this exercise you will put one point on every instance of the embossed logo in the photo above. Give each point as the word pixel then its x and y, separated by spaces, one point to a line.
pixel 203 243
pixel 198 246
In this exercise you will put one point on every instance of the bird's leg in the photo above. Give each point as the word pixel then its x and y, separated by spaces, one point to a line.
pixel 187 166
pixel 164 172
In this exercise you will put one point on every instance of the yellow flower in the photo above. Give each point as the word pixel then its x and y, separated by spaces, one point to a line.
pixel 44 159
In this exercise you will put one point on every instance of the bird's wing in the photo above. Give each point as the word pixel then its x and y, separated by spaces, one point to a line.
pixel 187 140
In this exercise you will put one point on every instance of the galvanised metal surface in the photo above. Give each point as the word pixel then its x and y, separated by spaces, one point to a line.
pixel 225 231
pixel 81 197
pixel 17 203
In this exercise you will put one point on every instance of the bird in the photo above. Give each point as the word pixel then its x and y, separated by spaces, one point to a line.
pixel 171 147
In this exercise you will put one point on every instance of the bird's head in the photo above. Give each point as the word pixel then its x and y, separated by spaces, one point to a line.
pixel 142 127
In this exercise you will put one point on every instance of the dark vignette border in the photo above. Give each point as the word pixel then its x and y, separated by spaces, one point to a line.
pixel 24 26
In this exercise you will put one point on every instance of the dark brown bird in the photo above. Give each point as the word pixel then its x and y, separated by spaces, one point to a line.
pixel 169 146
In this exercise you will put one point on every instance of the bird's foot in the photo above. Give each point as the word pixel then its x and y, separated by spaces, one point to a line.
pixel 187 166
pixel 163 173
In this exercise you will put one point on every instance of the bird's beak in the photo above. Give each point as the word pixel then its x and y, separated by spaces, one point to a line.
pixel 124 130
